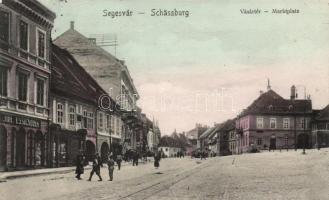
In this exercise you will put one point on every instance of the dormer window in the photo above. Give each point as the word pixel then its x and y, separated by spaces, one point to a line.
pixel 270 107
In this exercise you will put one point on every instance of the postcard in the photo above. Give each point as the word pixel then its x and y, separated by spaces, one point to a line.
pixel 153 99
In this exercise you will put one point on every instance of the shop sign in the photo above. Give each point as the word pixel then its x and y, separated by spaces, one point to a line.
pixel 20 120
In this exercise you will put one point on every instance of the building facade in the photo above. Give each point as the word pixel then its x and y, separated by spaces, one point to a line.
pixel 25 35
pixel 320 128
pixel 226 138
pixel 75 113
pixel 193 136
pixel 170 151
pixel 113 76
pixel 276 123
pixel 153 135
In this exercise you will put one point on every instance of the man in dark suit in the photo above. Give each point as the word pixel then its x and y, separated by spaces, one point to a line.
pixel 97 164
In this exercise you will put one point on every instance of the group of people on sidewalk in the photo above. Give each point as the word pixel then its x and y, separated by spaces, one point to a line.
pixel 97 163
pixel 96 166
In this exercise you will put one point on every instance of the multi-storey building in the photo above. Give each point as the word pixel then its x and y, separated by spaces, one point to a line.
pixel 274 122
pixel 193 135
pixel 226 135
pixel 320 128
pixel 74 98
pixel 25 35
pixel 113 76
pixel 153 136
pixel 206 136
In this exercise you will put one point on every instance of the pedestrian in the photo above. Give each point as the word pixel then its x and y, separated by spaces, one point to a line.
pixel 156 160
pixel 110 164
pixel 135 158
pixel 119 160
pixel 97 164
pixel 79 166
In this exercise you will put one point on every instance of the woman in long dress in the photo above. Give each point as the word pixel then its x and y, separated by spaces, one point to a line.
pixel 156 159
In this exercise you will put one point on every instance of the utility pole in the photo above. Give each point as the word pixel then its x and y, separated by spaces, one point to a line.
pixel 304 136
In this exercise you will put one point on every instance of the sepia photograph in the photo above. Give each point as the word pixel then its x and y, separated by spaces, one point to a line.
pixel 164 100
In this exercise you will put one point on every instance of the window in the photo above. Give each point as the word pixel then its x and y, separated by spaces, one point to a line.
pixel 41 44
pixel 100 120
pixel 22 86
pixel 259 122
pixel 60 113
pixel 72 115
pixel 40 92
pixel 272 123
pixel 90 120
pixel 4 26
pixel 286 123
pixel 304 123
pixel 3 81
pixel 23 35
pixel 259 141
pixel 84 119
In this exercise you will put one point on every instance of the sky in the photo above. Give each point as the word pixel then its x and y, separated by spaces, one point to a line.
pixel 207 67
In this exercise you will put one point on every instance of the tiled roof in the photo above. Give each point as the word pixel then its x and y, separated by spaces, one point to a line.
pixel 228 125
pixel 272 103
pixel 212 132
pixel 208 132
pixel 77 43
pixel 323 114
pixel 69 79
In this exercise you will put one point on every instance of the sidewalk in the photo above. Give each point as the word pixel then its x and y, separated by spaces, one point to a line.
pixel 60 170
pixel 35 172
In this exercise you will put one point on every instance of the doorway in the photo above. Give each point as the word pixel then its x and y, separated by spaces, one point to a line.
pixel 273 142
pixel 90 150
pixel 20 148
pixel 3 148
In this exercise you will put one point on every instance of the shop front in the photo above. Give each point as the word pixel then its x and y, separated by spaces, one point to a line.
pixel 116 147
pixel 103 146
pixel 66 145
pixel 22 142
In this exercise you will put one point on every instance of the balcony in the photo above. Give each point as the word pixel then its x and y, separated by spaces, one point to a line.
pixel 13 105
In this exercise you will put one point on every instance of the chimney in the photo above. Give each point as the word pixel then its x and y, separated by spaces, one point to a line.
pixel 293 94
pixel 72 25
pixel 268 84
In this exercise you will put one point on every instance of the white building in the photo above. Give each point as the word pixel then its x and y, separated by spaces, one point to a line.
pixel 170 151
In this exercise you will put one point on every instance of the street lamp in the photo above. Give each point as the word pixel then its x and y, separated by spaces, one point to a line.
pixel 110 133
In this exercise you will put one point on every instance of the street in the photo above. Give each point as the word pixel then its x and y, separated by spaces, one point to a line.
pixel 267 175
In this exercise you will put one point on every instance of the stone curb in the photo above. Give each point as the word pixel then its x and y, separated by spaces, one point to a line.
pixel 29 173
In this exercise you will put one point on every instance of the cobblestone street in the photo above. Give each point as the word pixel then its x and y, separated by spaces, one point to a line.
pixel 267 175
